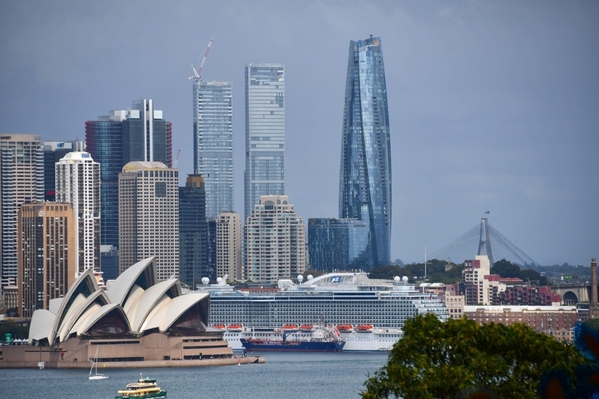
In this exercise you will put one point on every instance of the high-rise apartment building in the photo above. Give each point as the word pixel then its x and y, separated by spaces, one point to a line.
pixel 149 217
pixel 21 181
pixel 47 254
pixel 213 143
pixel 54 151
pixel 137 134
pixel 477 289
pixel 193 232
pixel 264 132
pixel 365 178
pixel 78 184
pixel 274 241
pixel 228 246
pixel 337 244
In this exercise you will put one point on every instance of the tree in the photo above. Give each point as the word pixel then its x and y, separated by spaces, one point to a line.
pixel 459 358
pixel 505 269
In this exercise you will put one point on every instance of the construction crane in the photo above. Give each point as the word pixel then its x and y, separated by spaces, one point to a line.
pixel 177 159
pixel 197 75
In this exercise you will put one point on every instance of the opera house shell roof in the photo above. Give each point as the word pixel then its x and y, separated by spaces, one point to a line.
pixel 135 304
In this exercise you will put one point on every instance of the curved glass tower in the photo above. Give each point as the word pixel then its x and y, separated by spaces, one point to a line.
pixel 365 177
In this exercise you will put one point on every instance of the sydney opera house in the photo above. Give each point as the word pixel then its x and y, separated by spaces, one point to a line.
pixel 135 322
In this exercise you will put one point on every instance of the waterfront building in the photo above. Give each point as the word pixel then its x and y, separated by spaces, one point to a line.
pixel 54 151
pixel 21 181
pixel 228 246
pixel 264 132
pixel 47 255
pixel 149 217
pixel 274 241
pixel 213 143
pixel 337 244
pixel 193 231
pixel 137 321
pixel 137 134
pixel 365 178
pixel 78 184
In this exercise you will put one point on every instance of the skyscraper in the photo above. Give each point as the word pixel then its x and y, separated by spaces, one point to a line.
pixel 274 241
pixel 149 217
pixel 365 177
pixel 264 132
pixel 137 134
pixel 228 246
pixel 337 244
pixel 47 254
pixel 78 184
pixel 53 152
pixel 193 232
pixel 21 181
pixel 213 143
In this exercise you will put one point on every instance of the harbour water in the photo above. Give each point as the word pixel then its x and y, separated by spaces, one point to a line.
pixel 301 375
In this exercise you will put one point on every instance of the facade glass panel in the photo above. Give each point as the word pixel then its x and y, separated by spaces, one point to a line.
pixel 337 244
pixel 365 178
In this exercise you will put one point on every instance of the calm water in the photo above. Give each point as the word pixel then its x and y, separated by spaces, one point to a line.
pixel 299 375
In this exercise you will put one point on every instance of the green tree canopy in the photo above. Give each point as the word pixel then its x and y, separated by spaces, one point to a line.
pixel 459 358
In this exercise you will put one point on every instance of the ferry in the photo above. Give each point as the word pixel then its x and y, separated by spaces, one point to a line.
pixel 144 388
pixel 368 314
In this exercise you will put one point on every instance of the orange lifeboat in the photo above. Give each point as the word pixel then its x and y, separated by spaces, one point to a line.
pixel 290 327
pixel 219 326
pixel 364 328
pixel 344 327
pixel 235 327
pixel 306 327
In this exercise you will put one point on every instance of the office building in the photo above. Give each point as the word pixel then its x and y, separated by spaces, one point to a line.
pixel 274 241
pixel 228 246
pixel 264 133
pixel 47 254
pixel 193 232
pixel 137 134
pixel 477 288
pixel 149 217
pixel 365 178
pixel 21 181
pixel 337 244
pixel 78 184
pixel 54 151
pixel 213 143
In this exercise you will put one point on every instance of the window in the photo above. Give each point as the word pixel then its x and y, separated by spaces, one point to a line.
pixel 160 189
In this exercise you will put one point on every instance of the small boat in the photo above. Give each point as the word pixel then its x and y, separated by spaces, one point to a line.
pixel 93 371
pixel 306 327
pixel 144 388
pixel 364 328
pixel 235 327
pixel 344 328
pixel 290 327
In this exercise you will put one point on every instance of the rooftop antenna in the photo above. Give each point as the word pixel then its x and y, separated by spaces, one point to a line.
pixel 197 75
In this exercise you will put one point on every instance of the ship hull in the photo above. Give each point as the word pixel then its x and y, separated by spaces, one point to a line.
pixel 291 346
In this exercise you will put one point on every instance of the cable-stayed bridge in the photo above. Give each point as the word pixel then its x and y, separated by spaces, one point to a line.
pixel 483 239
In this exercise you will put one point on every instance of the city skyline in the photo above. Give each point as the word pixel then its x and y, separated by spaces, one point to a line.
pixel 491 105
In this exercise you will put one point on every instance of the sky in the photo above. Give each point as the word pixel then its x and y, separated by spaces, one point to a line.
pixel 494 105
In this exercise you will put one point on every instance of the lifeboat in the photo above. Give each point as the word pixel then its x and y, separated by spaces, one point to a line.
pixel 306 327
pixel 235 327
pixel 364 328
pixel 344 327
pixel 219 326
pixel 290 327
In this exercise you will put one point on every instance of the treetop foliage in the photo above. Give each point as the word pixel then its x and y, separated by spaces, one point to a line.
pixel 459 358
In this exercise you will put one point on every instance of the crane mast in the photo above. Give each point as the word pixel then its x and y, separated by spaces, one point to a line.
pixel 197 75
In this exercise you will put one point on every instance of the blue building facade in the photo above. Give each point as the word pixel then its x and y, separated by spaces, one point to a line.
pixel 365 177
pixel 337 244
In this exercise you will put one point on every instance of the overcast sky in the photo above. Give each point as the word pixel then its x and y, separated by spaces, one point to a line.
pixel 494 105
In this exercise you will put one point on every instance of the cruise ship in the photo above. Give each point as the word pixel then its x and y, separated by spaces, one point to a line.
pixel 368 314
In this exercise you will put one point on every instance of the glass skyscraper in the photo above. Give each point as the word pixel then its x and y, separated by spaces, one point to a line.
pixel 264 132
pixel 337 244
pixel 365 177
pixel 213 143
